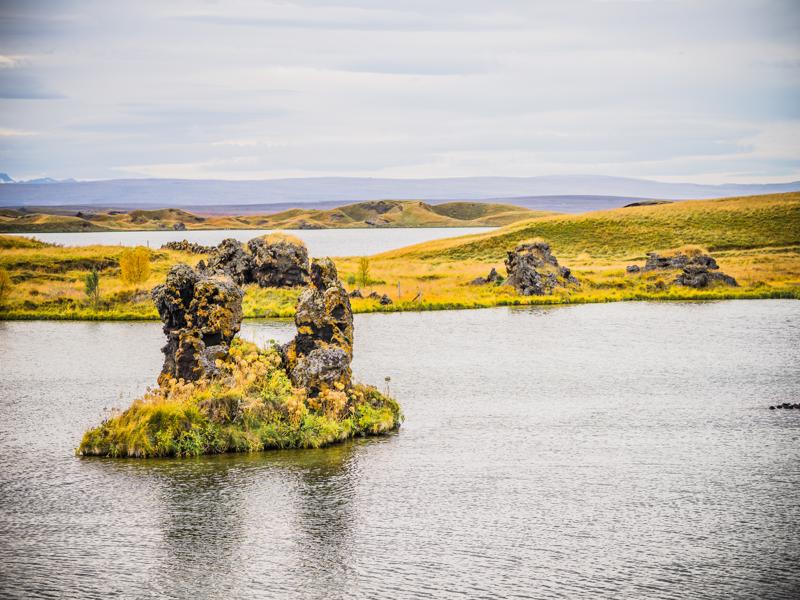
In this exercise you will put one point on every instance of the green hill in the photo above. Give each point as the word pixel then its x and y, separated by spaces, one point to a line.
pixel 723 224
pixel 382 213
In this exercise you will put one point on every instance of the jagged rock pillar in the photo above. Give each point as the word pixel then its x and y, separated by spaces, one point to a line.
pixel 201 315
pixel 319 356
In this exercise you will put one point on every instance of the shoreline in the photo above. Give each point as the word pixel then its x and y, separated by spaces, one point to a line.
pixel 688 296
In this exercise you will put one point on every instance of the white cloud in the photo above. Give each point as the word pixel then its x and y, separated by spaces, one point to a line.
pixel 670 89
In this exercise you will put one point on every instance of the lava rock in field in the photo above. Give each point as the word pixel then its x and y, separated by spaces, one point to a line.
pixel 230 258
pixel 179 226
pixel 319 356
pixel 187 246
pixel 278 264
pixel 201 315
pixel 356 294
pixel 492 277
pixel 698 276
pixel 698 270
pixel 678 260
pixel 534 271
pixel 385 300
pixel 632 269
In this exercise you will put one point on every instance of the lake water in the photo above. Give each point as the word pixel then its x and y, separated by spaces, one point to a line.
pixel 599 451
pixel 320 242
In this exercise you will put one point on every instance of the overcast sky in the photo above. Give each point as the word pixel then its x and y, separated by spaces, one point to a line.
pixel 677 90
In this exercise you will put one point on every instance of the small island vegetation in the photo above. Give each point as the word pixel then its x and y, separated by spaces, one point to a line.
pixel 217 393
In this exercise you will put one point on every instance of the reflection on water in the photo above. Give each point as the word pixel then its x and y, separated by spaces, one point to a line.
pixel 585 451
pixel 204 506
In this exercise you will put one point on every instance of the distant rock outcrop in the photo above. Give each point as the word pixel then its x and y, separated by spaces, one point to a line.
pixel 678 261
pixel 318 358
pixel 278 263
pixel 698 270
pixel 700 276
pixel 534 271
pixel 492 277
pixel 187 246
pixel 201 314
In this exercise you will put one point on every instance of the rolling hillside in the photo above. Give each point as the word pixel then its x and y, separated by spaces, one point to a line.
pixel 382 213
pixel 722 224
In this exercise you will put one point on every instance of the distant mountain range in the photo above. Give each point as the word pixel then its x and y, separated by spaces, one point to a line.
pixel 543 192
pixel 5 178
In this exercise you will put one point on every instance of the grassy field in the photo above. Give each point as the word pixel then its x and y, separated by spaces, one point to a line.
pixel 754 239
pixel 384 213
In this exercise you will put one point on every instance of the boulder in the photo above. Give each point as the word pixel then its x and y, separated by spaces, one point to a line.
pixel 356 294
pixel 385 300
pixel 201 315
pixel 318 358
pixel 678 261
pixel 492 277
pixel 699 276
pixel 534 271
pixel 632 269
pixel 278 264
pixel 179 226
pixel 697 270
pixel 374 296
pixel 230 258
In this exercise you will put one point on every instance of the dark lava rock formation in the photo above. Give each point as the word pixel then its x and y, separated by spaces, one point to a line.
pixel 492 277
pixel 534 271
pixel 278 264
pixel 230 258
pixel 319 356
pixel 698 270
pixel 201 314
pixel 187 246
pixel 678 261
pixel 698 276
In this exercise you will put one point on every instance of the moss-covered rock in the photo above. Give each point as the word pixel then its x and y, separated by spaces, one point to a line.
pixel 201 314
pixel 318 358
pixel 220 394
pixel 251 405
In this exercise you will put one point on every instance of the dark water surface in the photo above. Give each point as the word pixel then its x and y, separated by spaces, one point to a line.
pixel 320 242
pixel 605 451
